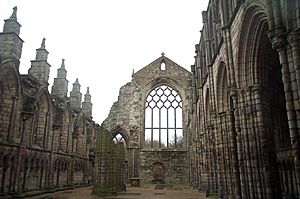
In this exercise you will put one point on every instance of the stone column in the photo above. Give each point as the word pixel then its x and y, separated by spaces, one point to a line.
pixel 294 40
pixel 279 43
pixel 234 134
pixel 272 182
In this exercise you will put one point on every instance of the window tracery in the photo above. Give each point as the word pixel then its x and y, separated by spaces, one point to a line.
pixel 163 119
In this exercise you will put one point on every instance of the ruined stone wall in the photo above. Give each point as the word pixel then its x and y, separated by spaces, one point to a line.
pixel 127 116
pixel 37 134
pixel 174 163
pixel 244 80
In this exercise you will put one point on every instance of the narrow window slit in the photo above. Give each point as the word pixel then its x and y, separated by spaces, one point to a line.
pixel 162 66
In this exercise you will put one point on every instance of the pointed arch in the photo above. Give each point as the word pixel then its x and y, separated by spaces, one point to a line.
pixel 182 93
pixel 254 21
pixel 119 133
pixel 163 118
pixel 221 88
pixel 10 91
pixel 263 100
pixel 79 134
pixel 43 112
pixel 65 136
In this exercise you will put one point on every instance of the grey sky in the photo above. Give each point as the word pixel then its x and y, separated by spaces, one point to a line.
pixel 103 41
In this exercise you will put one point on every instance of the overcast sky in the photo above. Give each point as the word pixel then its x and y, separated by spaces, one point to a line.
pixel 102 41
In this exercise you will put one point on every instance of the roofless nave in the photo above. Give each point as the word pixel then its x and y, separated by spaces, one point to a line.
pixel 230 127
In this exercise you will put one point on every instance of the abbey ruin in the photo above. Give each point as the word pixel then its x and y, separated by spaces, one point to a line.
pixel 229 127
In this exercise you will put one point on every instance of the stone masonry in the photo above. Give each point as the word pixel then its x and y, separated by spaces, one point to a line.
pixel 127 118
pixel 47 143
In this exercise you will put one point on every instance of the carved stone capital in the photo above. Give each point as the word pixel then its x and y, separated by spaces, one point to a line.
pixel 278 38
pixel 294 38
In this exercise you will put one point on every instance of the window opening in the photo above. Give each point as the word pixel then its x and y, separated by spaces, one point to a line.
pixel 163 119
pixel 162 66
pixel 119 139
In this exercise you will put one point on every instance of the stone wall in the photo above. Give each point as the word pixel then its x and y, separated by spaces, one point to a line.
pixel 127 114
pixel 44 143
pixel 174 164
pixel 244 118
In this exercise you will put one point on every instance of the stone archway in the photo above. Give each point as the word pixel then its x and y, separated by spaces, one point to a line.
pixel 263 114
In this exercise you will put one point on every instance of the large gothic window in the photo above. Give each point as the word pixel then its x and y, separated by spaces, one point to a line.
pixel 163 119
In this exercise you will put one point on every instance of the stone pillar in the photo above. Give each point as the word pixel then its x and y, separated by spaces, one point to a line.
pixel 272 182
pixel 279 43
pixel 294 40
pixel 234 134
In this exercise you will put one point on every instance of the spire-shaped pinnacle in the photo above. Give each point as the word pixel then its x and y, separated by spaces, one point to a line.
pixel 87 96
pixel 87 105
pixel 42 53
pixel 43 46
pixel 14 14
pixel 63 63
pixel 11 25
pixel 75 96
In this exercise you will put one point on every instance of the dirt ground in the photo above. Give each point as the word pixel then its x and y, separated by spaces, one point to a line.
pixel 144 192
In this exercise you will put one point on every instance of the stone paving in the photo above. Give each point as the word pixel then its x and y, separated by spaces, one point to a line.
pixel 144 192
